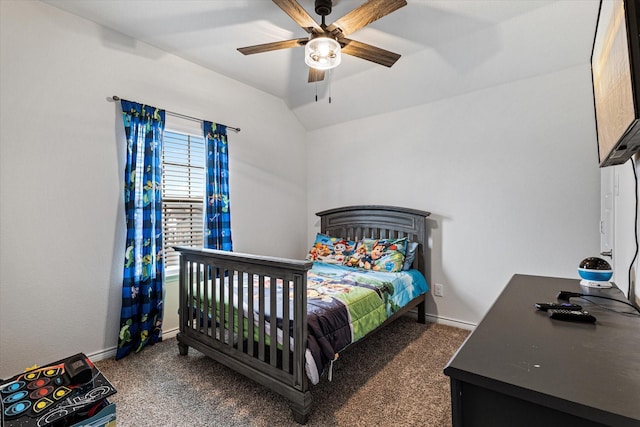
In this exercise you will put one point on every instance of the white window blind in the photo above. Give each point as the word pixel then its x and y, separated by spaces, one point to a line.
pixel 183 177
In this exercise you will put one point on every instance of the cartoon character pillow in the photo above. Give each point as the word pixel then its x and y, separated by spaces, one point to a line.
pixel 331 250
pixel 379 255
pixel 410 255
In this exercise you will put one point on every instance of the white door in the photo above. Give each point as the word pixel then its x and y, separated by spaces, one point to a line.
pixel 608 190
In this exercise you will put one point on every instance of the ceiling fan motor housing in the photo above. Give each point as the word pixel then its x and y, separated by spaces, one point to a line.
pixel 323 7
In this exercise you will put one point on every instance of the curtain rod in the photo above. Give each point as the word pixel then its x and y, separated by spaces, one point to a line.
pixel 182 116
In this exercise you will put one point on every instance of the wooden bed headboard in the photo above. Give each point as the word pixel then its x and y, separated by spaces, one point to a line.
pixel 381 222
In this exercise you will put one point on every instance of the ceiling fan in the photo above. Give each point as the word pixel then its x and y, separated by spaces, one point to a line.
pixel 325 43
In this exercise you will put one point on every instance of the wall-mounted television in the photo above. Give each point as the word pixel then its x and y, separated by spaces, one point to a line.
pixel 615 71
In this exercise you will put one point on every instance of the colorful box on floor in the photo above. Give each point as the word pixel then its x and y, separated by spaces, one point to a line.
pixel 69 392
pixel 105 418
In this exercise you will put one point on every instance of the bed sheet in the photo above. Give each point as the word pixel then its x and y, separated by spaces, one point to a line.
pixel 344 304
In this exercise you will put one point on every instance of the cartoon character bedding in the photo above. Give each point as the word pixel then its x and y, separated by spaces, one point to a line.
pixel 344 303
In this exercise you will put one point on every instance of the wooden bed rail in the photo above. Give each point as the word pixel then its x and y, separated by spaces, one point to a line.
pixel 218 291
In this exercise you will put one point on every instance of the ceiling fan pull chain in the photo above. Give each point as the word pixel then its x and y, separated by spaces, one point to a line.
pixel 330 80
pixel 316 83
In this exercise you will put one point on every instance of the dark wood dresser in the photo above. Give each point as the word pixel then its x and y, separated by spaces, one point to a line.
pixel 521 368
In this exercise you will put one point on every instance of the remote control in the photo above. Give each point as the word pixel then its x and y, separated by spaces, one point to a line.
pixel 544 306
pixel 571 315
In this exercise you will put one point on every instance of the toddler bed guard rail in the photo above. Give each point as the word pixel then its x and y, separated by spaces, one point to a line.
pixel 217 288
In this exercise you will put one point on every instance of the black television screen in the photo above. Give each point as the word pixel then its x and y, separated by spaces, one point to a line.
pixel 615 70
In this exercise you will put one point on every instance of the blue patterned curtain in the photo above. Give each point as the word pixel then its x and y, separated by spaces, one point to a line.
pixel 217 227
pixel 142 287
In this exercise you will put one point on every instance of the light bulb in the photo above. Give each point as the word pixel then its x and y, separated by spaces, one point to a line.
pixel 322 53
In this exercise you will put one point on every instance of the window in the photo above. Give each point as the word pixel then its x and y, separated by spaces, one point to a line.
pixel 183 172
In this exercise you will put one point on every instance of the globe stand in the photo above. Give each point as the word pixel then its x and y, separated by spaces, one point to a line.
pixel 596 284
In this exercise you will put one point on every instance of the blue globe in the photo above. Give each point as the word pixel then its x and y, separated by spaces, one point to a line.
pixel 595 269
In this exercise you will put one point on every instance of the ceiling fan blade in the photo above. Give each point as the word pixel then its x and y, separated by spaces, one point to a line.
pixel 315 75
pixel 298 14
pixel 266 47
pixel 368 52
pixel 364 15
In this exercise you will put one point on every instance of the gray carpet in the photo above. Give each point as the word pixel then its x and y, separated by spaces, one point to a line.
pixel 393 377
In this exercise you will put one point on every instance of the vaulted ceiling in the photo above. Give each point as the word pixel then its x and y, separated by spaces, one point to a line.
pixel 448 47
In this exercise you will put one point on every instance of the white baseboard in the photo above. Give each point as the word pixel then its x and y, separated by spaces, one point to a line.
pixel 451 322
pixel 111 352
pixel 102 354
pixel 171 333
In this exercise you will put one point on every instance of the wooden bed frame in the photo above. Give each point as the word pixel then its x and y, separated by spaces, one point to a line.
pixel 280 369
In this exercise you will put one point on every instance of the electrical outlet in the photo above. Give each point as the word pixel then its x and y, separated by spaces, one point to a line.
pixel 438 290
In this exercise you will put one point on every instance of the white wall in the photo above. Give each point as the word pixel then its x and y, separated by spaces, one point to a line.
pixel 510 174
pixel 62 221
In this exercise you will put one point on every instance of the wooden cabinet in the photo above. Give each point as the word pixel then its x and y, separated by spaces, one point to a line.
pixel 521 368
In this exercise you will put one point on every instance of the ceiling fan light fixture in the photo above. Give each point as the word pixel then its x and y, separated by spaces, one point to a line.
pixel 322 53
